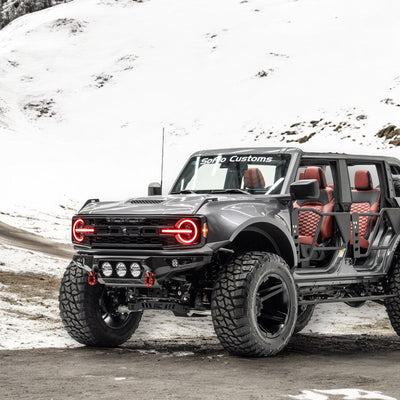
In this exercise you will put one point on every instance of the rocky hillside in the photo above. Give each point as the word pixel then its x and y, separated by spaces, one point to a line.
pixel 12 9
pixel 87 86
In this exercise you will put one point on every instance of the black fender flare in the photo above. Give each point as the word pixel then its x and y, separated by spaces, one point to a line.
pixel 275 232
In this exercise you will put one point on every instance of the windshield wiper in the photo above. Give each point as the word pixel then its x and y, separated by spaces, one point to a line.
pixel 185 191
pixel 230 191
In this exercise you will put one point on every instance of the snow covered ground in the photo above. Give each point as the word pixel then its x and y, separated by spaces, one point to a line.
pixel 29 318
pixel 53 222
pixel 345 394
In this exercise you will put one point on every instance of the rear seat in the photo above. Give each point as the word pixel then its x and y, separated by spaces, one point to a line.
pixel 365 199
pixel 308 220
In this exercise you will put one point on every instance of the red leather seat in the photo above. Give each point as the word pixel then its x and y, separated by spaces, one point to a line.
pixel 308 220
pixel 365 199
pixel 253 179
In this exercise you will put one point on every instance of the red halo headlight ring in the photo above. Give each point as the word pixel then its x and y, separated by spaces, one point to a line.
pixel 191 234
pixel 186 231
pixel 79 230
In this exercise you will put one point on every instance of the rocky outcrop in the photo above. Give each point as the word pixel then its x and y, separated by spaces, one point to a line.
pixel 390 132
pixel 12 9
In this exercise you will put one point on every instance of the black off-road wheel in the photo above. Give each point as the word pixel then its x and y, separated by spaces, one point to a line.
pixel 304 314
pixel 89 313
pixel 254 305
pixel 393 303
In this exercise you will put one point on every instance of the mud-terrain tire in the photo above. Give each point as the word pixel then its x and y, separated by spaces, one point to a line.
pixel 393 303
pixel 304 314
pixel 84 315
pixel 245 288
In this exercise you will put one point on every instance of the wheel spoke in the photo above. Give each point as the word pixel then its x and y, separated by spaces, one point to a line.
pixel 278 317
pixel 271 293
pixel 269 289
pixel 110 316
pixel 273 305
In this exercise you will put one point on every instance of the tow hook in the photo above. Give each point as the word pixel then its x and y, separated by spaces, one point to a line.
pixel 92 278
pixel 149 279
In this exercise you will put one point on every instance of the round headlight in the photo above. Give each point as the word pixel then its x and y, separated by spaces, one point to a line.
pixel 121 269
pixel 106 269
pixel 136 270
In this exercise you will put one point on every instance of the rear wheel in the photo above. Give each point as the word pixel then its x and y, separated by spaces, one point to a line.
pixel 254 305
pixel 89 313
pixel 393 303
pixel 304 314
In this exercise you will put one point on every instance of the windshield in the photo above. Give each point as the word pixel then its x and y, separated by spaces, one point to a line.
pixel 231 173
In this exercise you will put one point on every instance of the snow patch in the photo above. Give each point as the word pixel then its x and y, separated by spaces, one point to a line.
pixel 17 260
pixel 341 394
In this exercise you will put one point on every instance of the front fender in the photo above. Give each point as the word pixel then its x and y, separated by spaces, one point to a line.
pixel 269 216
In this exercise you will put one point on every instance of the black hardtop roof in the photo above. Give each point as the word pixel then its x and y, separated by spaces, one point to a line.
pixel 295 150
pixel 248 151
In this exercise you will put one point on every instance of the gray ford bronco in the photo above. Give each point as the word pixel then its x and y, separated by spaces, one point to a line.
pixel 255 237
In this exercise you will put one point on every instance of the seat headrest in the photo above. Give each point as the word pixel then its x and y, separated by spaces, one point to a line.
pixel 253 179
pixel 316 173
pixel 363 180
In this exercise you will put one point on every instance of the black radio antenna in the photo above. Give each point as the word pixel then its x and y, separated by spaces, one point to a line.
pixel 162 157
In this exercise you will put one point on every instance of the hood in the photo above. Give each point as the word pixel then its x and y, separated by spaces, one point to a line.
pixel 156 205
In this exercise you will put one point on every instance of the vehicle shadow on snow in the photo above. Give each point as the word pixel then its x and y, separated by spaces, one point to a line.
pixel 302 344
pixel 342 344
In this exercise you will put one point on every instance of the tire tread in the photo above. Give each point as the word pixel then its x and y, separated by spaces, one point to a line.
pixel 228 305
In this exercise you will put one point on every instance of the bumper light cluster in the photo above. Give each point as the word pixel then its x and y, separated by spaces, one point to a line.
pixel 136 270
pixel 107 269
pixel 121 269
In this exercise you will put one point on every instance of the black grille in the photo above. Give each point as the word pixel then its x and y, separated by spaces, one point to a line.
pixel 129 232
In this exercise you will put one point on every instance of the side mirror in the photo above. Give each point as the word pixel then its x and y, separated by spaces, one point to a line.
pixel 154 189
pixel 305 189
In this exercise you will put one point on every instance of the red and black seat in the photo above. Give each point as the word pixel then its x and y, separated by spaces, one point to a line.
pixel 253 179
pixel 308 220
pixel 365 199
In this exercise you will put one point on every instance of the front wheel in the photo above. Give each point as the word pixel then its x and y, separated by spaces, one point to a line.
pixel 254 305
pixel 89 313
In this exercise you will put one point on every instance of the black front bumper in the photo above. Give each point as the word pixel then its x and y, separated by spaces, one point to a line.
pixel 162 266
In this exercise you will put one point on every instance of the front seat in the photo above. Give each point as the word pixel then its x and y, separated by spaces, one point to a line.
pixel 253 179
pixel 308 220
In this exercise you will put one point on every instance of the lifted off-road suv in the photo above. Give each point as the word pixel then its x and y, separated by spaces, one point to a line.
pixel 255 236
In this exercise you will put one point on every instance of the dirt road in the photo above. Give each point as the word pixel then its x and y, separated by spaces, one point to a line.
pixel 12 236
pixel 204 372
